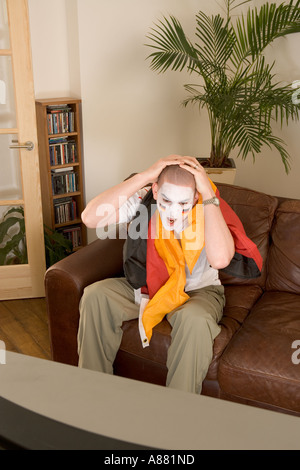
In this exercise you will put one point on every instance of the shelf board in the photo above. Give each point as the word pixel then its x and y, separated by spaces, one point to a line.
pixel 71 222
pixel 59 196
pixel 64 165
pixel 63 134
pixel 50 101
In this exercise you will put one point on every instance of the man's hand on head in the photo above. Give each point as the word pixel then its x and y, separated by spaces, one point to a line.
pixel 153 172
pixel 203 185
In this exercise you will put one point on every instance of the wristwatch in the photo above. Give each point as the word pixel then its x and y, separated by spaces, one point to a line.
pixel 213 200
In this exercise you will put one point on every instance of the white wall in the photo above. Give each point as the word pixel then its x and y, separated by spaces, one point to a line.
pixel 49 43
pixel 55 48
pixel 131 116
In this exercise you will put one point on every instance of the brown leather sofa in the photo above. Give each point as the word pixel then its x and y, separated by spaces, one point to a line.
pixel 254 357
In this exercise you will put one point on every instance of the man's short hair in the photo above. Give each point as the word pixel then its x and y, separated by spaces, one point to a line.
pixel 176 175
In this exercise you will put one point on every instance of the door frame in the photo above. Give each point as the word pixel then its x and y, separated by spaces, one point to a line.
pixel 25 281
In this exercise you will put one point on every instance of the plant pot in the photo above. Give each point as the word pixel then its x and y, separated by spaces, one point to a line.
pixel 221 175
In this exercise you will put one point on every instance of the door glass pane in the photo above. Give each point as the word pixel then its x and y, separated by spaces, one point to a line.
pixel 10 174
pixel 4 29
pixel 13 248
pixel 7 97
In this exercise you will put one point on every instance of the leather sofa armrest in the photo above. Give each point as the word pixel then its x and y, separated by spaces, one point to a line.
pixel 64 285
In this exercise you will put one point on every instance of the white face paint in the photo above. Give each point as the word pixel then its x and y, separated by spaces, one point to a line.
pixel 174 203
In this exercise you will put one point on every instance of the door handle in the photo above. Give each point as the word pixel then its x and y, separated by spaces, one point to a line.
pixel 28 145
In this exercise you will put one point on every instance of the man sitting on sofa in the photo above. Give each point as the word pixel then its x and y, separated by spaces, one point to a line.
pixel 187 242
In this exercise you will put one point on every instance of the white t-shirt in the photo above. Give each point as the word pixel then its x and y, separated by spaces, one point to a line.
pixel 202 275
pixel 128 210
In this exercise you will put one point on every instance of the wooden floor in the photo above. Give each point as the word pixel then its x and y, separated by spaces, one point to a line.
pixel 24 327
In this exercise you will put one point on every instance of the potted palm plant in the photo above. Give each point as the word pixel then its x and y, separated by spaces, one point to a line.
pixel 237 86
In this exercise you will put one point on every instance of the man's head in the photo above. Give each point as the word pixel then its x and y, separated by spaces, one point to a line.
pixel 175 193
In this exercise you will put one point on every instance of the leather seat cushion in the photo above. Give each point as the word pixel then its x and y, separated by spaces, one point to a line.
pixel 149 364
pixel 257 365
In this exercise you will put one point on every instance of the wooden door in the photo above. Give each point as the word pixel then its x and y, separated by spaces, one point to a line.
pixel 22 269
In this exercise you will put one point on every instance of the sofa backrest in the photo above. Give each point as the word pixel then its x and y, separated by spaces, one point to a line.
pixel 256 211
pixel 284 255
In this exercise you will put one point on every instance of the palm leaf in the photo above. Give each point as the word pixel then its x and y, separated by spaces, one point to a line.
pixel 262 27
pixel 216 37
pixel 173 49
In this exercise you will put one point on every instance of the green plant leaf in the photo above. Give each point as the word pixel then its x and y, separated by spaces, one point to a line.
pixel 262 27
pixel 12 246
pixel 217 40
pixel 15 244
pixel 57 246
pixel 174 50
pixel 6 225
pixel 14 210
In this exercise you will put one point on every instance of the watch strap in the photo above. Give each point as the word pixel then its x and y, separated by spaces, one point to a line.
pixel 213 200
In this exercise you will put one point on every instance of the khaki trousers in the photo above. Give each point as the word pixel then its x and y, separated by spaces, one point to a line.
pixel 106 304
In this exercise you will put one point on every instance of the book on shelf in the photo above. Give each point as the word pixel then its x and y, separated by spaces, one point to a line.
pixel 65 210
pixel 73 234
pixel 64 180
pixel 60 119
pixel 62 151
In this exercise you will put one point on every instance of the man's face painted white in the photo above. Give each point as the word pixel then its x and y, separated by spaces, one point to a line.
pixel 174 203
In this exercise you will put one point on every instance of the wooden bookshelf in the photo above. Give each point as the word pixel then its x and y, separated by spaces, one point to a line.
pixel 61 166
